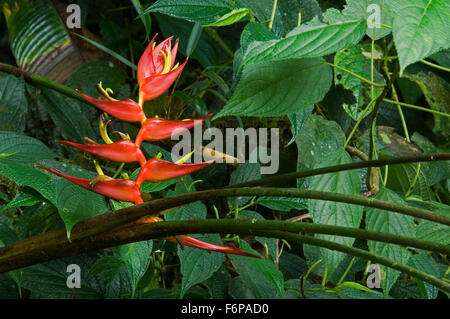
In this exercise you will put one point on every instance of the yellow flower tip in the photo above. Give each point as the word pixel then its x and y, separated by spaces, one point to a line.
pixel 97 179
pixel 105 93
pixel 103 128
pixel 167 61
pixel 89 140
pixel 98 169
pixel 184 158
pixel 176 66
pixel 159 155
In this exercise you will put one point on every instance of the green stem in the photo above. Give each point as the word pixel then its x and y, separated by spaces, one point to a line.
pixel 258 228
pixel 356 75
pixel 41 81
pixel 416 107
pixel 435 65
pixel 272 15
pixel 331 169
pixel 123 218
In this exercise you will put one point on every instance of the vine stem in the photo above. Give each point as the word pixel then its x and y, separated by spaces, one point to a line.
pixel 272 15
pixel 344 167
pixel 416 107
pixel 39 80
pixel 250 227
pixel 356 75
pixel 41 244
pixel 372 173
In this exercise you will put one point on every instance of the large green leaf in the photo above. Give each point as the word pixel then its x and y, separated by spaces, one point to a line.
pixel 137 259
pixel 67 115
pixel 260 276
pixel 333 213
pixel 420 28
pixel 428 230
pixel 24 149
pixel 365 9
pixel 428 264
pixel 298 119
pixel 203 11
pixel 279 87
pixel 13 103
pixel 39 40
pixel 290 9
pixel 312 40
pixel 393 223
pixel 49 279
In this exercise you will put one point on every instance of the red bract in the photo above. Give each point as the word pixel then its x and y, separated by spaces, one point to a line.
pixel 119 189
pixel 122 151
pixel 157 170
pixel 156 71
pixel 125 110
pixel 193 242
pixel 157 129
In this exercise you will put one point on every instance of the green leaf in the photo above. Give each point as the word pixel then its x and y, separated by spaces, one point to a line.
pixel 428 264
pixel 136 256
pixel 365 9
pixel 255 31
pixel 428 230
pixel 420 28
pixel 289 11
pixel 24 149
pixel 230 18
pixel 262 9
pixel 23 199
pixel 37 34
pixel 392 223
pixel 13 103
pixel 239 290
pixel 355 285
pixel 107 267
pixel 279 87
pixel 260 276
pixel 312 40
pixel 110 52
pixel 244 173
pixel 292 266
pixel 197 265
pixel 203 11
pixel 66 114
pixel 333 213
pixel 7 234
pixel 282 204
pixel 145 18
pixel 298 119
pixel 218 284
pixel 317 139
pixel 353 60
pixel 49 279
pixel 194 37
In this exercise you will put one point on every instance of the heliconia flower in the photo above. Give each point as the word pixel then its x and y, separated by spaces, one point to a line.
pixel 125 110
pixel 196 243
pixel 157 129
pixel 124 151
pixel 156 71
pixel 119 189
pixel 157 170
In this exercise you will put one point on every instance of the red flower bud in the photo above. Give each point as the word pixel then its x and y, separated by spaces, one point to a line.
pixel 125 110
pixel 196 243
pixel 193 242
pixel 156 71
pixel 157 170
pixel 119 189
pixel 124 151
pixel 157 129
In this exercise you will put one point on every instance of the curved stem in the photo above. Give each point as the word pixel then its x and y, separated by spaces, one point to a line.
pixel 416 107
pixel 39 80
pixel 344 167
pixel 274 229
